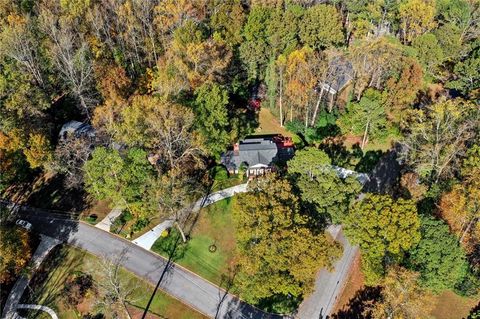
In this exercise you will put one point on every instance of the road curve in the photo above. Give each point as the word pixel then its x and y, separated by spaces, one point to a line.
pixel 182 284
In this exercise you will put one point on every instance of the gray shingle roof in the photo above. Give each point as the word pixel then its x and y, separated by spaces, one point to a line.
pixel 340 72
pixel 255 150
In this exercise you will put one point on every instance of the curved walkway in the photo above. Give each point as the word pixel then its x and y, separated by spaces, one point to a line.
pixel 149 238
pixel 41 308
pixel 11 305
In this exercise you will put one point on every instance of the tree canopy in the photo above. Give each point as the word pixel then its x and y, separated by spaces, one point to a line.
pixel 438 256
pixel 384 229
pixel 279 254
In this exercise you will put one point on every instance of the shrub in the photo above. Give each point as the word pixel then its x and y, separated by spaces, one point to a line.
pixel 219 173
pixel 76 287
pixel 140 224
pixel 120 221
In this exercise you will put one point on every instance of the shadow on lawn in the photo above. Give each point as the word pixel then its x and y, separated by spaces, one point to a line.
pixel 174 248
pixel 47 290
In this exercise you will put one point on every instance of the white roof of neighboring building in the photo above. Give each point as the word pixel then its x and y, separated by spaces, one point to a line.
pixel 76 128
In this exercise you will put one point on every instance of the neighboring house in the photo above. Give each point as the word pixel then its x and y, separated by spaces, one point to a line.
pixel 76 129
pixel 258 154
pixel 339 73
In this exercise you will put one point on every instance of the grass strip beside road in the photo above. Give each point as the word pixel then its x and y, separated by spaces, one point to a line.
pixel 49 288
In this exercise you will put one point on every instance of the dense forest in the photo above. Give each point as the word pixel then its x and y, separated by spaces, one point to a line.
pixel 168 85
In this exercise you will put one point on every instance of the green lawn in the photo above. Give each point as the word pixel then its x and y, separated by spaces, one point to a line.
pixel 450 305
pixel 49 289
pixel 214 226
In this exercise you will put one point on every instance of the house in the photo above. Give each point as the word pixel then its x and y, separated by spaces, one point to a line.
pixel 258 154
pixel 339 74
pixel 76 129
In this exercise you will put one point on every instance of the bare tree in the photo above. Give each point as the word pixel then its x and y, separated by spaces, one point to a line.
pixel 116 291
pixel 438 136
pixel 70 156
pixel 18 43
pixel 70 55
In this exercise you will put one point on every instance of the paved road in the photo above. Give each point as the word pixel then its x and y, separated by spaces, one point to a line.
pixel 329 285
pixel 193 290
pixel 149 238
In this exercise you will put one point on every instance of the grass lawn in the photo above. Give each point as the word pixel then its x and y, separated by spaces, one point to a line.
pixel 214 226
pixel 382 145
pixel 99 209
pixel 269 124
pixel 450 305
pixel 49 287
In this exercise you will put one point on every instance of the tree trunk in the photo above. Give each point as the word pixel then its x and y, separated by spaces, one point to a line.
pixel 184 238
pixel 470 224
pixel 330 105
pixel 316 107
pixel 306 116
pixel 281 99
pixel 126 310
pixel 365 135
pixel 84 105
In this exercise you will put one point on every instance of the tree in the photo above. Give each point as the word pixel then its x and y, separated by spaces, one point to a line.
pixel 374 61
pixel 202 62
pixel 429 52
pixel 450 39
pixel 320 184
pixel 331 194
pixel 437 137
pixel 438 256
pixel 18 42
pixel 284 28
pixel 254 50
pixel 163 128
pixel 123 179
pixel 227 21
pixel 39 150
pixel 367 117
pixel 301 80
pixel 460 207
pixel 467 79
pixel 210 107
pixel 321 27
pixel 279 254
pixel 15 252
pixel 402 297
pixel 461 13
pixel 310 161
pixel 384 229
pixel 24 103
pixel 70 56
pixel 401 90
pixel 417 17
pixel 116 291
